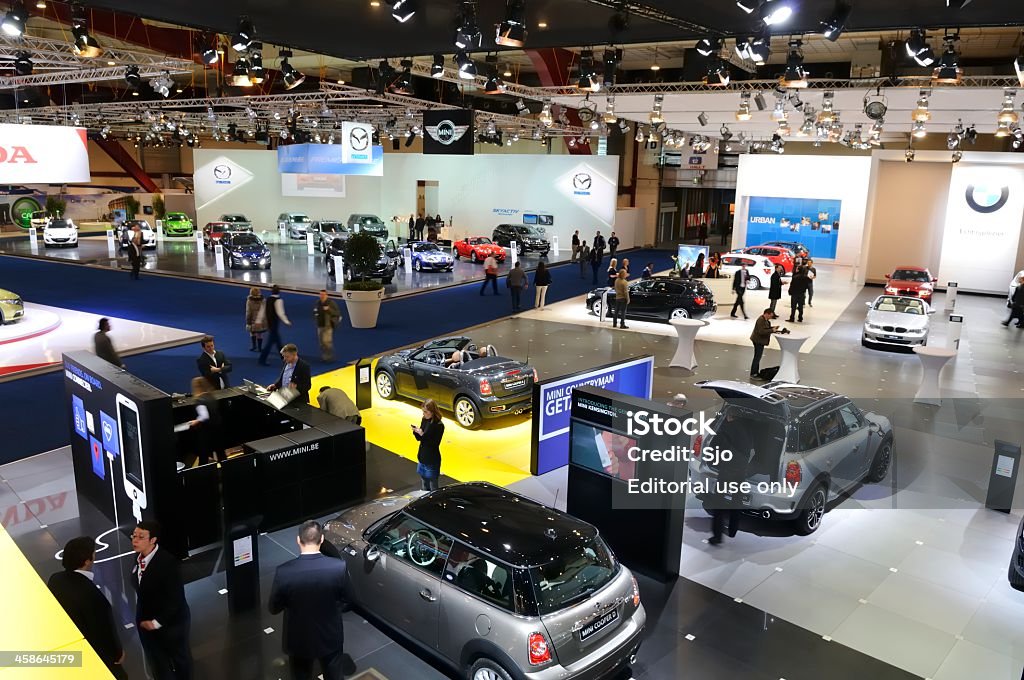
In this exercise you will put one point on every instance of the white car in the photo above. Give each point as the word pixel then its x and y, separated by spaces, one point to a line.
pixel 296 224
pixel 896 321
pixel 759 269
pixel 60 231
pixel 38 219
pixel 1013 286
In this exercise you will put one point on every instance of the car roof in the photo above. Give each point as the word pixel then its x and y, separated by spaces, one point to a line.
pixel 502 524
pixel 911 267
pixel 798 398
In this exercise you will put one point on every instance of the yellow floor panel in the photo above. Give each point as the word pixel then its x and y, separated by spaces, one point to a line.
pixel 33 621
pixel 499 452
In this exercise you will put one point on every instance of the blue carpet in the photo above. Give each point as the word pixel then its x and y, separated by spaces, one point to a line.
pixel 218 309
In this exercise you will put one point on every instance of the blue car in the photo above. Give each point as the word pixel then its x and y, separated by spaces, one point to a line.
pixel 244 250
pixel 428 257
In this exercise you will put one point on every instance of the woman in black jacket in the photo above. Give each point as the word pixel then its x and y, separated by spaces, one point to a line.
pixel 541 281
pixel 429 434
pixel 775 289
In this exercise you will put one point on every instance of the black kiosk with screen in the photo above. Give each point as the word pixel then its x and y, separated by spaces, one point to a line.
pixel 646 532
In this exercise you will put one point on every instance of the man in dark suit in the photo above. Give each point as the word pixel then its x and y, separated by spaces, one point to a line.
pixel 739 286
pixel 162 614
pixel 85 604
pixel 213 365
pixel 311 591
pixel 726 507
pixel 295 373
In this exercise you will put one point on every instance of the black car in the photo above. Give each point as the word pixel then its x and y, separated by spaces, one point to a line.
pixel 325 231
pixel 371 224
pixel 244 250
pixel 527 239
pixel 1016 574
pixel 390 259
pixel 661 298
pixel 472 382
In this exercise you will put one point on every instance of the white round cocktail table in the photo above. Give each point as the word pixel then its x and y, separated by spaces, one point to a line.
pixel 933 359
pixel 790 344
pixel 686 331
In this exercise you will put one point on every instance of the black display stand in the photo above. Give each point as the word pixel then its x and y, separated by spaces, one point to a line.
pixel 1002 480
pixel 364 384
pixel 242 563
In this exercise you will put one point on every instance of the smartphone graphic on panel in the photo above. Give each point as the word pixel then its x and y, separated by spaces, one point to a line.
pixel 130 441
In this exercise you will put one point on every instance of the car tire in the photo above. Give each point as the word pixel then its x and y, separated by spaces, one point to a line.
pixel 385 383
pixel 753 283
pixel 545 253
pixel 417 266
pixel 473 257
pixel 595 308
pixel 814 505
pixel 520 250
pixel 466 413
pixel 882 461
pixel 679 313
pixel 864 341
pixel 485 669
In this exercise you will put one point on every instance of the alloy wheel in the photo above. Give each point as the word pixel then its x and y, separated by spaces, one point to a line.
pixel 384 385
pixel 753 283
pixel 485 674
pixel 596 308
pixel 817 509
pixel 680 314
pixel 465 412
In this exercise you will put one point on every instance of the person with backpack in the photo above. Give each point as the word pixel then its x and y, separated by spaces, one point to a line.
pixel 760 337
pixel 491 274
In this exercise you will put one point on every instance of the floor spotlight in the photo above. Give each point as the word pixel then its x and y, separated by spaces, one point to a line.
pixel 512 31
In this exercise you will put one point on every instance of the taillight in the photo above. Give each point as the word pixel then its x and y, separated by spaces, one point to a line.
pixel 793 473
pixel 535 378
pixel 539 650
pixel 698 442
pixel 485 387
pixel 699 300
pixel 636 593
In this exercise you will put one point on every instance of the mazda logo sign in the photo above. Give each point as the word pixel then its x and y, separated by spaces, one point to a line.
pixel 582 181
pixel 221 172
pixel 359 139
pixel 986 199
pixel 446 132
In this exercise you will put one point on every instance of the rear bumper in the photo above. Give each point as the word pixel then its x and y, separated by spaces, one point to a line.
pixel 616 653
pixel 767 505
pixel 495 407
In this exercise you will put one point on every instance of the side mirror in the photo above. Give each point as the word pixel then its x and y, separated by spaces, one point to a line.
pixel 873 427
pixel 887 276
pixel 935 280
pixel 868 304
pixel 372 553
pixel 931 311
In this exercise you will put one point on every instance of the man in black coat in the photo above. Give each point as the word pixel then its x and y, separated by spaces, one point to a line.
pixel 162 614
pixel 739 286
pixel 88 609
pixel 775 289
pixel 213 365
pixel 797 290
pixel 1017 305
pixel 311 590
pixel 726 508
pixel 420 224
pixel 295 373
pixel 613 244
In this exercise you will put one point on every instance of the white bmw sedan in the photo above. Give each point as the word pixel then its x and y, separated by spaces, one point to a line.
pixel 896 321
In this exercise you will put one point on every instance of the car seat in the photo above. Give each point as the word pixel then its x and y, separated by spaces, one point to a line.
pixel 490 351
pixel 887 307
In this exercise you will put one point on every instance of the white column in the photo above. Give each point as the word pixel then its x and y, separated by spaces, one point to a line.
pixel 218 257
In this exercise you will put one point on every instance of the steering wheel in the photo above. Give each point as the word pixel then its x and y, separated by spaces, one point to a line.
pixel 415 548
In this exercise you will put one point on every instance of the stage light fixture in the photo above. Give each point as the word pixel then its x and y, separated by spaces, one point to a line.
pixel 1018 67
pixel 623 126
pixel 875 136
pixel 588 79
pixel 403 83
pixel 291 75
pixel 82 44
pixel 656 117
pixel 743 47
pixel 795 75
pixel 23 64
pixel 702 118
pixel 437 67
pixel 875 107
pixel 718 75
pixel 240 73
pixel 257 73
pixel 948 68
pixel 921 113
pixel 612 59
pixel 467 28
pixel 640 138
pixel 587 110
pixel 808 127
pixel 760 49
pixel 748 6
pixel 244 35
pixel 827 113
pixel 494 83
pixel 609 116
pixel 709 46
pixel 743 112
pixel 957 155
pixel 833 27
pixel 919 130
pixel 918 48
pixel 545 117
pixel 14 21
pixel 775 12
pixel 403 10
pixel 132 77
pixel 521 108
pixel 162 84
pixel 466 65
pixel 1006 112
pixel 209 54
pixel 512 31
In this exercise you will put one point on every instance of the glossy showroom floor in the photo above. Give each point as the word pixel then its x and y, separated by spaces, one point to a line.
pixel 905 579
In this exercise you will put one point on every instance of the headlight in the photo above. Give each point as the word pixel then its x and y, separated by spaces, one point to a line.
pixel 11 301
pixel 916 331
pixel 890 289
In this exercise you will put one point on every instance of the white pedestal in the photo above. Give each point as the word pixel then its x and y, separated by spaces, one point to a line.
pixel 33 239
pixel 605 312
pixel 686 332
pixel 218 257
pixel 199 241
pixel 406 259
pixel 954 328
pixel 790 345
pixel 513 253
pixel 339 272
pixel 933 359
pixel 554 245
pixel 111 245
pixel 951 289
pixel 160 229
pixel 310 249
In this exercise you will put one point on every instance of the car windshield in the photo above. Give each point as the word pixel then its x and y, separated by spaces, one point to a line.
pixel 571 576
pixel 330 226
pixel 300 219
pixel 526 231
pixel 479 241
pixel 246 240
pixel 910 275
pixel 369 220
pixel 235 218
pixel 888 303
pixel 178 217
pixel 59 224
pixel 426 247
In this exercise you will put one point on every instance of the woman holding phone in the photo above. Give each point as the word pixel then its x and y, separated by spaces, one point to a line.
pixel 429 435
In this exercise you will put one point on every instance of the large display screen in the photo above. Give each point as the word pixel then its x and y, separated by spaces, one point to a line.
pixel 313 186
pixel 688 254
pixel 813 222
pixel 552 399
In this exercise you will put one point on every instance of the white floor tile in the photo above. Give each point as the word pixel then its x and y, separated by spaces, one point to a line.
pixel 924 602
pixel 950 570
pixel 968 661
pixel 896 639
pixel 998 626
pixel 790 596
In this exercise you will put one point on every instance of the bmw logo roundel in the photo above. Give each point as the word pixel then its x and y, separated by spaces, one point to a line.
pixel 582 181
pixel 986 198
pixel 359 139
pixel 221 172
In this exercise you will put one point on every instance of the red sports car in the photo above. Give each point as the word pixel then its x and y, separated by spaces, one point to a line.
pixel 911 282
pixel 477 248
pixel 776 254
pixel 213 231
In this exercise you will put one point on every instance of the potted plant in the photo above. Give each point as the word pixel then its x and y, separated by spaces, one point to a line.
pixel 363 295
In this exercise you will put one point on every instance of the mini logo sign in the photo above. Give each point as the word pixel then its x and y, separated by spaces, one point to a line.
pixel 446 132
pixel 985 198
pixel 222 174
pixel 359 139
pixel 581 183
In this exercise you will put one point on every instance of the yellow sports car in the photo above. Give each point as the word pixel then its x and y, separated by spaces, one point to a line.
pixel 11 307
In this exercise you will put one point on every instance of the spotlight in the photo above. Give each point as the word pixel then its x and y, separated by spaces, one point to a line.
pixel 827 113
pixel 1006 113
pixel 612 58
pixel 759 101
pixel 718 75
pixel 948 69
pixel 132 77
pixel 743 47
pixel 209 55
pixel 162 84
pixel 437 68
pixel 256 70
pixel 656 117
pixel 291 75
pixel 403 10
pixel 918 130
pixel 775 12
pixel 14 21
pixel 1002 129
pixel 403 84
pixel 779 112
pixel 743 112
pixel 639 134
pixel 521 108
pixel 971 135
pixel 83 44
pixel 957 155
pixel 545 117
pixel 795 75
pixel 760 49
pixel 512 31
pixel 875 136
pixel 494 83
pixel 587 110
pixel 410 137
pixel 623 126
pixel 244 36
pixel 708 46
pixel 702 118
pixel 23 64
pixel 921 113
pixel 609 111
pixel 240 73
pixel 833 27
pixel 467 67
pixel 467 29
pixel 748 6
pixel 1018 66
pixel 588 79
pixel 876 108
pixel 908 155
pixel 918 48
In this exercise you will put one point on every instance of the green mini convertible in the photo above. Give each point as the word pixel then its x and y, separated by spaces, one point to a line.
pixel 178 224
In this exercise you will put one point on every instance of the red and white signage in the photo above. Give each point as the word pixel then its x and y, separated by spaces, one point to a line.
pixel 43 154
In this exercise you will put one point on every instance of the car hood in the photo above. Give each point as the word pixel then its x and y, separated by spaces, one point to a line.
pixel 8 294
pixel 249 250
pixel 897 319
pixel 434 255
pixel 909 285
pixel 61 230
pixel 349 526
